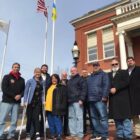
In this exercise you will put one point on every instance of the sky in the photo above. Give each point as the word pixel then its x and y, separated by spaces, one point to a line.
pixel 27 32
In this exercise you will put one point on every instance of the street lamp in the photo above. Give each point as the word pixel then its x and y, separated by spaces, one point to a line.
pixel 75 53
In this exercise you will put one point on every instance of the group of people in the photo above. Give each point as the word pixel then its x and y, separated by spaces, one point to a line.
pixel 65 102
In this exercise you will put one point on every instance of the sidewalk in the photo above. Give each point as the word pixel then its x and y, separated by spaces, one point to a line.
pixel 111 134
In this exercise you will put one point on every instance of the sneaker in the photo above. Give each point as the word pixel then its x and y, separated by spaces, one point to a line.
pixel 38 136
pixel 9 137
pixel 28 137
pixel 78 138
pixel 59 138
pixel 104 138
pixel 51 137
pixel 69 137
pixel 96 138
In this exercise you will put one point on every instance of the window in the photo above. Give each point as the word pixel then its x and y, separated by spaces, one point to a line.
pixel 92 53
pixel 109 50
pixel 108 43
pixel 92 47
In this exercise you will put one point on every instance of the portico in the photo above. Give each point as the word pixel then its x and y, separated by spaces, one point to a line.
pixel 127 20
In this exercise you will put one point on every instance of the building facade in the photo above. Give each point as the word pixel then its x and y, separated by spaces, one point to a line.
pixel 110 32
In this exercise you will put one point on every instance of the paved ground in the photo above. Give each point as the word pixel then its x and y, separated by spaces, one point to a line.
pixel 111 134
pixel 111 130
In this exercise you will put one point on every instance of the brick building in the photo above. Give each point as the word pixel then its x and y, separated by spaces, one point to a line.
pixel 112 31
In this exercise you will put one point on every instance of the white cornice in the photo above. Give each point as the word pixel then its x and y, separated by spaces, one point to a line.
pixel 126 16
pixel 98 12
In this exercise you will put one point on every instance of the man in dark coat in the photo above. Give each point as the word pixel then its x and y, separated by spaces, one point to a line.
pixel 76 87
pixel 86 107
pixel 45 75
pixel 47 80
pixel 119 101
pixel 134 80
pixel 13 88
pixel 64 81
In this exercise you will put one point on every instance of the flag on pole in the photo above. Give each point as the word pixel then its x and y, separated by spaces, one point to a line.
pixel 4 26
pixel 54 13
pixel 42 8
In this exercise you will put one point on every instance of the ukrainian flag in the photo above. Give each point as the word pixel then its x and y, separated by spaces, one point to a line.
pixel 54 13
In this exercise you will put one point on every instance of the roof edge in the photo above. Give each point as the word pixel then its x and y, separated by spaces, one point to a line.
pixel 98 11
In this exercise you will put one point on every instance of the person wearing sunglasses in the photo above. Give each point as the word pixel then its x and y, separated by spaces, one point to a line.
pixel 119 102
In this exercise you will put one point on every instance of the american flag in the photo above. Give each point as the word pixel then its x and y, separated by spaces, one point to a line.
pixel 41 7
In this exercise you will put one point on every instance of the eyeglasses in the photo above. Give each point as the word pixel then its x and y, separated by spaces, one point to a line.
pixel 115 64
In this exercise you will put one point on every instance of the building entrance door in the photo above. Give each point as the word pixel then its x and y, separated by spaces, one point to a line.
pixel 136 49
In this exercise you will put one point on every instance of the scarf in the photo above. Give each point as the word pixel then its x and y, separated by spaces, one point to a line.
pixel 16 75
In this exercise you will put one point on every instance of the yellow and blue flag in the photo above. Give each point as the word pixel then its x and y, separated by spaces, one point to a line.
pixel 54 13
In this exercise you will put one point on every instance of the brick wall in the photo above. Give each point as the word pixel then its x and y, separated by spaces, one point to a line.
pixel 82 40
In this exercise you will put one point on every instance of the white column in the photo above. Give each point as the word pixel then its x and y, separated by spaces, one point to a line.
pixel 122 50
pixel 129 46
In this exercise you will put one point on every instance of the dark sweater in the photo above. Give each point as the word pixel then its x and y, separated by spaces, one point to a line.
pixel 76 88
pixel 12 87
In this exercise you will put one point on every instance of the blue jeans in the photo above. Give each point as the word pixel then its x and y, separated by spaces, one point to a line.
pixel 76 120
pixel 99 118
pixel 5 109
pixel 123 128
pixel 55 124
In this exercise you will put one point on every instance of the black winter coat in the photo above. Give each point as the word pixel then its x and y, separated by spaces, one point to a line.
pixel 59 100
pixel 12 87
pixel 134 88
pixel 77 89
pixel 119 103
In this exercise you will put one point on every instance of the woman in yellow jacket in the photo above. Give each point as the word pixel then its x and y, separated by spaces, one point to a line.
pixel 56 103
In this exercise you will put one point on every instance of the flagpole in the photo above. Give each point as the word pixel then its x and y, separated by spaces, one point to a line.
pixel 53 35
pixel 52 54
pixel 45 44
pixel 4 54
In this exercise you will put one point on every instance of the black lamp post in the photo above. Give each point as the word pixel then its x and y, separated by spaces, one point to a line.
pixel 75 53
